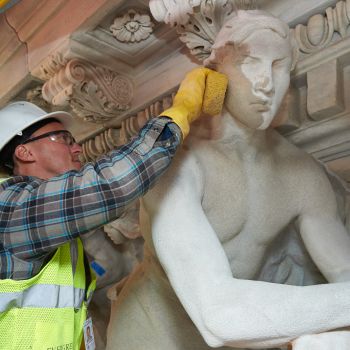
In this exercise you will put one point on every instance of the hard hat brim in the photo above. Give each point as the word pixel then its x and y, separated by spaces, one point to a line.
pixel 63 117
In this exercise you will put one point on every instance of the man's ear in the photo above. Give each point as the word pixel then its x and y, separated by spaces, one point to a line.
pixel 24 153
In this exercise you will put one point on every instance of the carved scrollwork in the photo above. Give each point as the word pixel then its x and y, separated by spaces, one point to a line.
pixel 321 29
pixel 132 27
pixel 95 94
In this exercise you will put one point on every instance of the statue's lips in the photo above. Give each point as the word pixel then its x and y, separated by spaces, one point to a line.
pixel 262 106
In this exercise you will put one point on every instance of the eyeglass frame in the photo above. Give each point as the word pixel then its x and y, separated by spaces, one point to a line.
pixel 47 134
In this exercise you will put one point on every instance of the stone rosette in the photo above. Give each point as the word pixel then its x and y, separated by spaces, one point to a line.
pixel 132 27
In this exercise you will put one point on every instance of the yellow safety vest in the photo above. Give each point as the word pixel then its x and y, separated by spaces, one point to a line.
pixel 47 311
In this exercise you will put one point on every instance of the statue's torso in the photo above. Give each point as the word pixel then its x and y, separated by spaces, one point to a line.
pixel 250 196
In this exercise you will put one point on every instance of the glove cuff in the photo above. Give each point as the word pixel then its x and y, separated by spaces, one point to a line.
pixel 179 115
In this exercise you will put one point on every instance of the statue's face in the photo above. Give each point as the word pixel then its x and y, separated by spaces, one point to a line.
pixel 259 75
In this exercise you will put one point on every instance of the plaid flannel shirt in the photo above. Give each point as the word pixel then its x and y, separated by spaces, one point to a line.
pixel 37 216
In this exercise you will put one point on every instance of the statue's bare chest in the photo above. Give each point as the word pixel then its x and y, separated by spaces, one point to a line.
pixel 247 200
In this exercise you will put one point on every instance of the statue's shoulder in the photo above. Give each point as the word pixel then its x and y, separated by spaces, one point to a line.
pixel 185 168
pixel 286 148
pixel 294 158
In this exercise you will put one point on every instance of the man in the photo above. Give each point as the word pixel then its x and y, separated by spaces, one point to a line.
pixel 50 201
pixel 229 193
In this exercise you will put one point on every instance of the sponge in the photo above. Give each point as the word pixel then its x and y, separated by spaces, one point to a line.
pixel 202 90
pixel 214 94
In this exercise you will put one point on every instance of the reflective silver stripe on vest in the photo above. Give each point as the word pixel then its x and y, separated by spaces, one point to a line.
pixel 43 296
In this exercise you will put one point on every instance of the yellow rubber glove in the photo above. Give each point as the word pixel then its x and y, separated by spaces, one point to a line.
pixel 3 3
pixel 202 90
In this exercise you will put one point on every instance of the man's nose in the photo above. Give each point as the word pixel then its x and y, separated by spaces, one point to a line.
pixel 76 148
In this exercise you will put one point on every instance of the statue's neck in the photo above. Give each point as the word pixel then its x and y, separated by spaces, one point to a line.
pixel 226 129
pixel 234 130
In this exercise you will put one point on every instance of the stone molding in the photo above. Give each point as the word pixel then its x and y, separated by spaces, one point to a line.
pixel 100 144
pixel 110 138
pixel 321 30
pixel 95 94
pixel 132 27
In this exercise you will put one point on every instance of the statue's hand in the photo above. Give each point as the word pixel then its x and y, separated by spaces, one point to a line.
pixel 202 90
pixel 339 340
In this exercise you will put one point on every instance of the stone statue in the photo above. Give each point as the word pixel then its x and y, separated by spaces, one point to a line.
pixel 208 225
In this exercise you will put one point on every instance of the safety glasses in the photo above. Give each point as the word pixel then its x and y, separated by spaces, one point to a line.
pixel 59 136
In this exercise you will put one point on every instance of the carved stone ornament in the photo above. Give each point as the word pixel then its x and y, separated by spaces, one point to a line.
pixel 132 27
pixel 52 65
pixel 131 125
pixel 35 96
pixel 125 227
pixel 321 29
pixel 100 144
pixel 111 138
pixel 173 12
pixel 95 94
pixel 197 21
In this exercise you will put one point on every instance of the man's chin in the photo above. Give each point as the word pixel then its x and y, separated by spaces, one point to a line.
pixel 76 165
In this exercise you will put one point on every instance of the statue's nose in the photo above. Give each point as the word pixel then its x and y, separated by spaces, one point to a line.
pixel 264 84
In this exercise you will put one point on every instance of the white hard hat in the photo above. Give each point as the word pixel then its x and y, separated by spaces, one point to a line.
pixel 17 116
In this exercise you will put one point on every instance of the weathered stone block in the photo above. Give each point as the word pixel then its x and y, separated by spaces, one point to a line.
pixel 325 92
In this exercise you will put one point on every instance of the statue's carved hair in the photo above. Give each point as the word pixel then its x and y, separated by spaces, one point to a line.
pixel 245 4
pixel 240 26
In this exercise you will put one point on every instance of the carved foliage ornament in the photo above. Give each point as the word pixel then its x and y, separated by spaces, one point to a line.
pixel 52 65
pixel 198 21
pixel 173 12
pixel 132 27
pixel 95 94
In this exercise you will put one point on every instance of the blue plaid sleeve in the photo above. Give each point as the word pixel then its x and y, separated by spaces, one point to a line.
pixel 37 216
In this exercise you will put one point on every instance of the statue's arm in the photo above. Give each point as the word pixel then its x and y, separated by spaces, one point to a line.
pixel 322 231
pixel 225 310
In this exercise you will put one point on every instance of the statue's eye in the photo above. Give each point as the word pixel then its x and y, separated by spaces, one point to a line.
pixel 281 62
pixel 249 60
